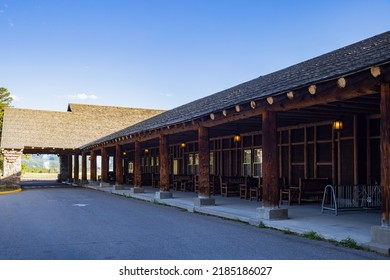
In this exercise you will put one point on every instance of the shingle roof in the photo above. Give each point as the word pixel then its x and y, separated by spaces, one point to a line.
pixel 352 58
pixel 80 125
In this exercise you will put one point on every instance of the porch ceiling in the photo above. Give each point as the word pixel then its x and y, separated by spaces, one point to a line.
pixel 363 105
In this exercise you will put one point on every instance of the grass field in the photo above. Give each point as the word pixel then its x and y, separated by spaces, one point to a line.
pixel 39 176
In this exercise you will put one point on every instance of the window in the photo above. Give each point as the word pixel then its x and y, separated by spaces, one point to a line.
pixel 110 164
pixel 175 167
pixel 193 164
pixel 196 164
pixel 247 162
pixel 211 163
pixel 257 161
pixel 131 167
pixel 190 163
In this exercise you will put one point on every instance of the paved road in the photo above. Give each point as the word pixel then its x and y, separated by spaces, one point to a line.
pixel 75 223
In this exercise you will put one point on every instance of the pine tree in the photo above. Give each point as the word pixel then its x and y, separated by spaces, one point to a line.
pixel 5 101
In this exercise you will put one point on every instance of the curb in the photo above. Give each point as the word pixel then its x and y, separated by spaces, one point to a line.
pixel 14 191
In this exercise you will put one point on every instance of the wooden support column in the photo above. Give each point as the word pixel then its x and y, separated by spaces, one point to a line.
pixel 385 153
pixel 137 164
pixel 204 162
pixel 76 168
pixel 380 235
pixel 164 163
pixel 270 209
pixel 104 175
pixel 93 166
pixel 164 168
pixel 118 166
pixel 84 167
pixel 203 198
pixel 70 166
pixel 270 161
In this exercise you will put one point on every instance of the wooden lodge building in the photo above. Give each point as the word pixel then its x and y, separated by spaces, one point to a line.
pixel 327 118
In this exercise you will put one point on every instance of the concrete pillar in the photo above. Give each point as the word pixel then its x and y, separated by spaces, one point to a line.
pixel 204 169
pixel 270 209
pixel 164 168
pixel 12 167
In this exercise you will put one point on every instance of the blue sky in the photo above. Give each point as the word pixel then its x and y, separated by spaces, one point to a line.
pixel 162 54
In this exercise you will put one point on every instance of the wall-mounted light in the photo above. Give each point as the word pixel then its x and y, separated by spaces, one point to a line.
pixel 338 125
pixel 124 153
pixel 146 151
pixel 183 145
pixel 237 138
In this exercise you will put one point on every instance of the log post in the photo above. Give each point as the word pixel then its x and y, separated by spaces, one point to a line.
pixel 93 166
pixel 270 209
pixel 204 169
pixel 118 166
pixel 104 171
pixel 83 167
pixel 164 168
pixel 137 168
pixel 270 161
pixel 380 235
pixel 385 153
pixel 76 168
pixel 70 166
pixel 164 163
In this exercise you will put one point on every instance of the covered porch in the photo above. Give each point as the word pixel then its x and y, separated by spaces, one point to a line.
pixel 303 219
pixel 323 118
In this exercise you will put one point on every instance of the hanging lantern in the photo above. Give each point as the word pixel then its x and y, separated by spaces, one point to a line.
pixel 338 125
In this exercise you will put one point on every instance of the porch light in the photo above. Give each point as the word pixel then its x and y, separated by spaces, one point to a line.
pixel 338 125
pixel 237 138
pixel 183 145
pixel 146 151
pixel 124 153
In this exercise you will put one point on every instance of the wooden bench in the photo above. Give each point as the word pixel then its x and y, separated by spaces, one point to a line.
pixel 230 186
pixel 312 189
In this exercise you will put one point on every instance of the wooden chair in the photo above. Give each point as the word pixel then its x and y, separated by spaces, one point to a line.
pixel 223 187
pixel 289 195
pixel 196 184
pixel 255 190
pixel 244 193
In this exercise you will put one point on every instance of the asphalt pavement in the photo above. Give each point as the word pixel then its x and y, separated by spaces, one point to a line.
pixel 82 224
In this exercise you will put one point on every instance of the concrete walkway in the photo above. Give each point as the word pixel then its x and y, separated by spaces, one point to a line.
pixel 302 218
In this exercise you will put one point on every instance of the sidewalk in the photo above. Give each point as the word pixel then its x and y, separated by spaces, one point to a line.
pixel 302 218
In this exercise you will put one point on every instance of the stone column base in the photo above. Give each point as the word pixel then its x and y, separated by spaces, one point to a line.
pixel 92 183
pixel 104 184
pixel 204 201
pixel 163 195
pixel 119 187
pixel 137 190
pixel 380 240
pixel 267 213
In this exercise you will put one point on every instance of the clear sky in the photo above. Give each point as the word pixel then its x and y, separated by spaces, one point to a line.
pixel 165 53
